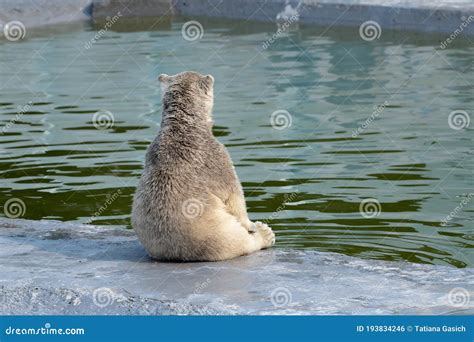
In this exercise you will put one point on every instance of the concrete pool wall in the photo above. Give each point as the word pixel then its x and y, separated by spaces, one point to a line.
pixel 455 17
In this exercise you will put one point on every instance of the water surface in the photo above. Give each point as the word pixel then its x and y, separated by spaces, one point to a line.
pixel 307 180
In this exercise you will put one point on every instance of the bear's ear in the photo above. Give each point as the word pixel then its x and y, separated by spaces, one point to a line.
pixel 163 78
pixel 209 79
pixel 207 82
pixel 164 82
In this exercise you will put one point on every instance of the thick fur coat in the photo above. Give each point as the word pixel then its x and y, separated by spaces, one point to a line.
pixel 189 204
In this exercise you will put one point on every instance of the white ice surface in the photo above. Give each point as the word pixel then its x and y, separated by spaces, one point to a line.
pixel 52 267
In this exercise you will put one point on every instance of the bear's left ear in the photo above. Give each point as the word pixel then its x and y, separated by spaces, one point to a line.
pixel 164 82
pixel 163 78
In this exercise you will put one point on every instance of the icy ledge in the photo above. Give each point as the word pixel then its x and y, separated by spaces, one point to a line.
pixel 53 267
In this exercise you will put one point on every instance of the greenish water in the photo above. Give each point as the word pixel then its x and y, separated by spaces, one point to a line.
pixel 307 180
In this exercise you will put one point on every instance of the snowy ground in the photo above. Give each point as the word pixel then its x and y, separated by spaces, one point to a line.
pixel 59 268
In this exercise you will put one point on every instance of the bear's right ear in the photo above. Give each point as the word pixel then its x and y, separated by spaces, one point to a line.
pixel 163 78
pixel 207 82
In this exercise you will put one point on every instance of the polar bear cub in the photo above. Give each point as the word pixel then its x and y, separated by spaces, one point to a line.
pixel 189 204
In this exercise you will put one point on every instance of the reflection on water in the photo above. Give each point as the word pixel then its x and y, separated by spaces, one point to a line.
pixel 306 180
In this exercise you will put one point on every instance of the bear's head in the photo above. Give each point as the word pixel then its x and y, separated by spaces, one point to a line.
pixel 188 92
